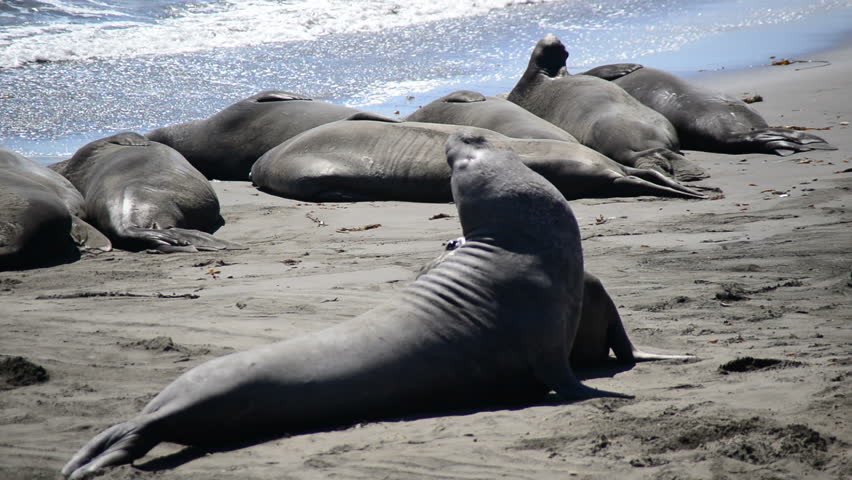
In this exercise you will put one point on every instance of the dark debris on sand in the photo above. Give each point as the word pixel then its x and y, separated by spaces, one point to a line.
pixel 165 344
pixel 19 372
pixel 751 364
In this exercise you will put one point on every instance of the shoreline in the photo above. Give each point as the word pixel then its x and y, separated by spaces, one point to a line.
pixel 405 107
pixel 375 72
pixel 763 272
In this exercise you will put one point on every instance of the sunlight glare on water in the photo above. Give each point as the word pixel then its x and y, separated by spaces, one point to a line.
pixel 72 71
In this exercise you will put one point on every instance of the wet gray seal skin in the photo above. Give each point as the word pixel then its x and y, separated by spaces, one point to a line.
pixel 473 109
pixel 705 119
pixel 40 211
pixel 364 160
pixel 485 327
pixel 600 329
pixel 35 224
pixel 143 194
pixel 600 114
pixel 11 161
pixel 225 145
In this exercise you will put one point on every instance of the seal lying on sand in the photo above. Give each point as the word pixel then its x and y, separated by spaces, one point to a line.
pixel 599 114
pixel 502 116
pixel 485 327
pixel 143 194
pixel 225 145
pixel 361 160
pixel 473 109
pixel 40 212
pixel 600 329
pixel 705 119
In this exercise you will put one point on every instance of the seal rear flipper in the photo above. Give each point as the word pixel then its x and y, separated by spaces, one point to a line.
pixel 116 445
pixel 780 141
pixel 670 163
pixel 633 186
pixel 614 71
pixel 621 345
pixel 640 356
pixel 659 179
pixel 88 237
pixel 171 240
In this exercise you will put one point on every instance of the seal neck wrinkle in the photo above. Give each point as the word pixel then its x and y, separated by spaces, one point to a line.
pixel 463 284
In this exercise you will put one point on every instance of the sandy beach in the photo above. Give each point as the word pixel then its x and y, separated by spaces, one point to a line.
pixel 764 272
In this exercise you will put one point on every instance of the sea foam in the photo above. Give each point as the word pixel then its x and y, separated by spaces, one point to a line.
pixel 82 30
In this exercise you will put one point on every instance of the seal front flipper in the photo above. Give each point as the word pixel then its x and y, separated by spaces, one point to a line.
pixel 87 236
pixel 565 384
pixel 614 71
pixel 624 349
pixel 116 445
pixel 780 141
pixel 553 369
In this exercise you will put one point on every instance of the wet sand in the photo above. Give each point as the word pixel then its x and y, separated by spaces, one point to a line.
pixel 763 272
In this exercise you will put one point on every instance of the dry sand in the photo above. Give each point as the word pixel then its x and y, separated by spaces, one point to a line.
pixel 763 272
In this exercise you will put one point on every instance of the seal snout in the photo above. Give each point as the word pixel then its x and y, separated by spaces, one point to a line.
pixel 462 146
pixel 550 55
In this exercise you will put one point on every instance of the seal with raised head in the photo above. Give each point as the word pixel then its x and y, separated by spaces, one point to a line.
pixel 225 145
pixel 485 327
pixel 40 212
pixel 143 194
pixel 600 114
pixel 706 119
pixel 363 160
pixel 601 329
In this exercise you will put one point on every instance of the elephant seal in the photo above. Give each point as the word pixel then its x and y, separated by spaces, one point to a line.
pixel 40 212
pixel 143 194
pixel 473 109
pixel 600 329
pixel 225 145
pixel 705 119
pixel 600 114
pixel 11 161
pixel 487 326
pixel 362 160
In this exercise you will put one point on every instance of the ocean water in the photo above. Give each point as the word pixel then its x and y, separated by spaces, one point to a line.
pixel 72 71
